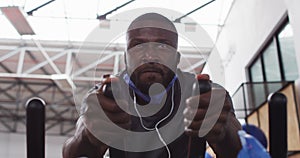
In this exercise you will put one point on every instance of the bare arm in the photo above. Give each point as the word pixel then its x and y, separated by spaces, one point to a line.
pixel 84 143
pixel 230 145
pixel 223 134
pixel 80 144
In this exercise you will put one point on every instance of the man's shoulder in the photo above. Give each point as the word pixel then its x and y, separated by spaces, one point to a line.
pixel 185 76
pixel 186 81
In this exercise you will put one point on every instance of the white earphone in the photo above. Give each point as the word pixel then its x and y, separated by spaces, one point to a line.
pixel 156 125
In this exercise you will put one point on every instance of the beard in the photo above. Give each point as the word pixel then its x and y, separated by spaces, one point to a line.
pixel 147 74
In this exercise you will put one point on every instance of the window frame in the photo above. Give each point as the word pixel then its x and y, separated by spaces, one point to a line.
pixel 274 37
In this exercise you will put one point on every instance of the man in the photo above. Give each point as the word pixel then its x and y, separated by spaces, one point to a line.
pixel 151 57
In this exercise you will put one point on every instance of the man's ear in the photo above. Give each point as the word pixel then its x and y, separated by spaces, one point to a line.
pixel 178 57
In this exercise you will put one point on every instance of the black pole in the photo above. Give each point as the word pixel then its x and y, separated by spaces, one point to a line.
pixel 103 17
pixel 178 20
pixel 35 128
pixel 278 125
pixel 35 9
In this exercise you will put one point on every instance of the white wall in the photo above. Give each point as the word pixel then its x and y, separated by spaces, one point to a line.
pixel 13 145
pixel 248 26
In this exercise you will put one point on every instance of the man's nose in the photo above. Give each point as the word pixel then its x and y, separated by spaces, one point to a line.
pixel 150 55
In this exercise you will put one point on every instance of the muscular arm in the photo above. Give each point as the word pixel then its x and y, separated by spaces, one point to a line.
pixel 230 146
pixel 84 143
pixel 80 144
pixel 223 136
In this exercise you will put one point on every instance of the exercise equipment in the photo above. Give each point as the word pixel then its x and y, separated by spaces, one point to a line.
pixel 35 127
pixel 278 125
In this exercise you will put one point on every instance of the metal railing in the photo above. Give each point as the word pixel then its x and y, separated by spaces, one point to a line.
pixel 251 95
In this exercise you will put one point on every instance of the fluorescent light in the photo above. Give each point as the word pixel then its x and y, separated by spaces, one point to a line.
pixel 17 18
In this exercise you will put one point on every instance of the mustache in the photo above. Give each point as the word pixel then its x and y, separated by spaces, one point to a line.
pixel 150 68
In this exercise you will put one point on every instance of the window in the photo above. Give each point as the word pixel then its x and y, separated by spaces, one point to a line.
pixel 278 58
pixel 271 63
pixel 288 55
pixel 271 68
pixel 275 63
pixel 256 71
pixel 258 92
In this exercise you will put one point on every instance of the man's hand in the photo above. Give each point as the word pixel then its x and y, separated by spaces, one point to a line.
pixel 98 121
pixel 210 124
pixel 210 115
pixel 103 114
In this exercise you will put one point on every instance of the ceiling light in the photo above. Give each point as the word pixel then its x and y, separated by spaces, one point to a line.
pixel 17 18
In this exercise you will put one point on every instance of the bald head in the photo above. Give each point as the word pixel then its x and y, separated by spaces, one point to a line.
pixel 152 20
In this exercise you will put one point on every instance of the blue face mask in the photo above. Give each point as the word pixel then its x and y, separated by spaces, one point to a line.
pixel 156 99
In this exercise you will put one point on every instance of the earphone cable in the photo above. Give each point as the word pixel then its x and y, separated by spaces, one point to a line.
pixel 156 125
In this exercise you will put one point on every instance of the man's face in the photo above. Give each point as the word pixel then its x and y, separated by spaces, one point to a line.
pixel 151 56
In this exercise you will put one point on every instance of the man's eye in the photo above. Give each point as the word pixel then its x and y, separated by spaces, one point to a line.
pixel 137 45
pixel 162 46
pixel 140 45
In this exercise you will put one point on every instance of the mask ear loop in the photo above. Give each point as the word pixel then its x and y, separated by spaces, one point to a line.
pixel 156 125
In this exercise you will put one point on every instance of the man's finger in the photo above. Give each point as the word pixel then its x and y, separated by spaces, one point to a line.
pixel 199 101
pixel 194 114
pixel 121 117
pixel 110 105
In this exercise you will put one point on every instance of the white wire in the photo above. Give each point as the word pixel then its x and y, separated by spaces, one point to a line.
pixel 156 125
